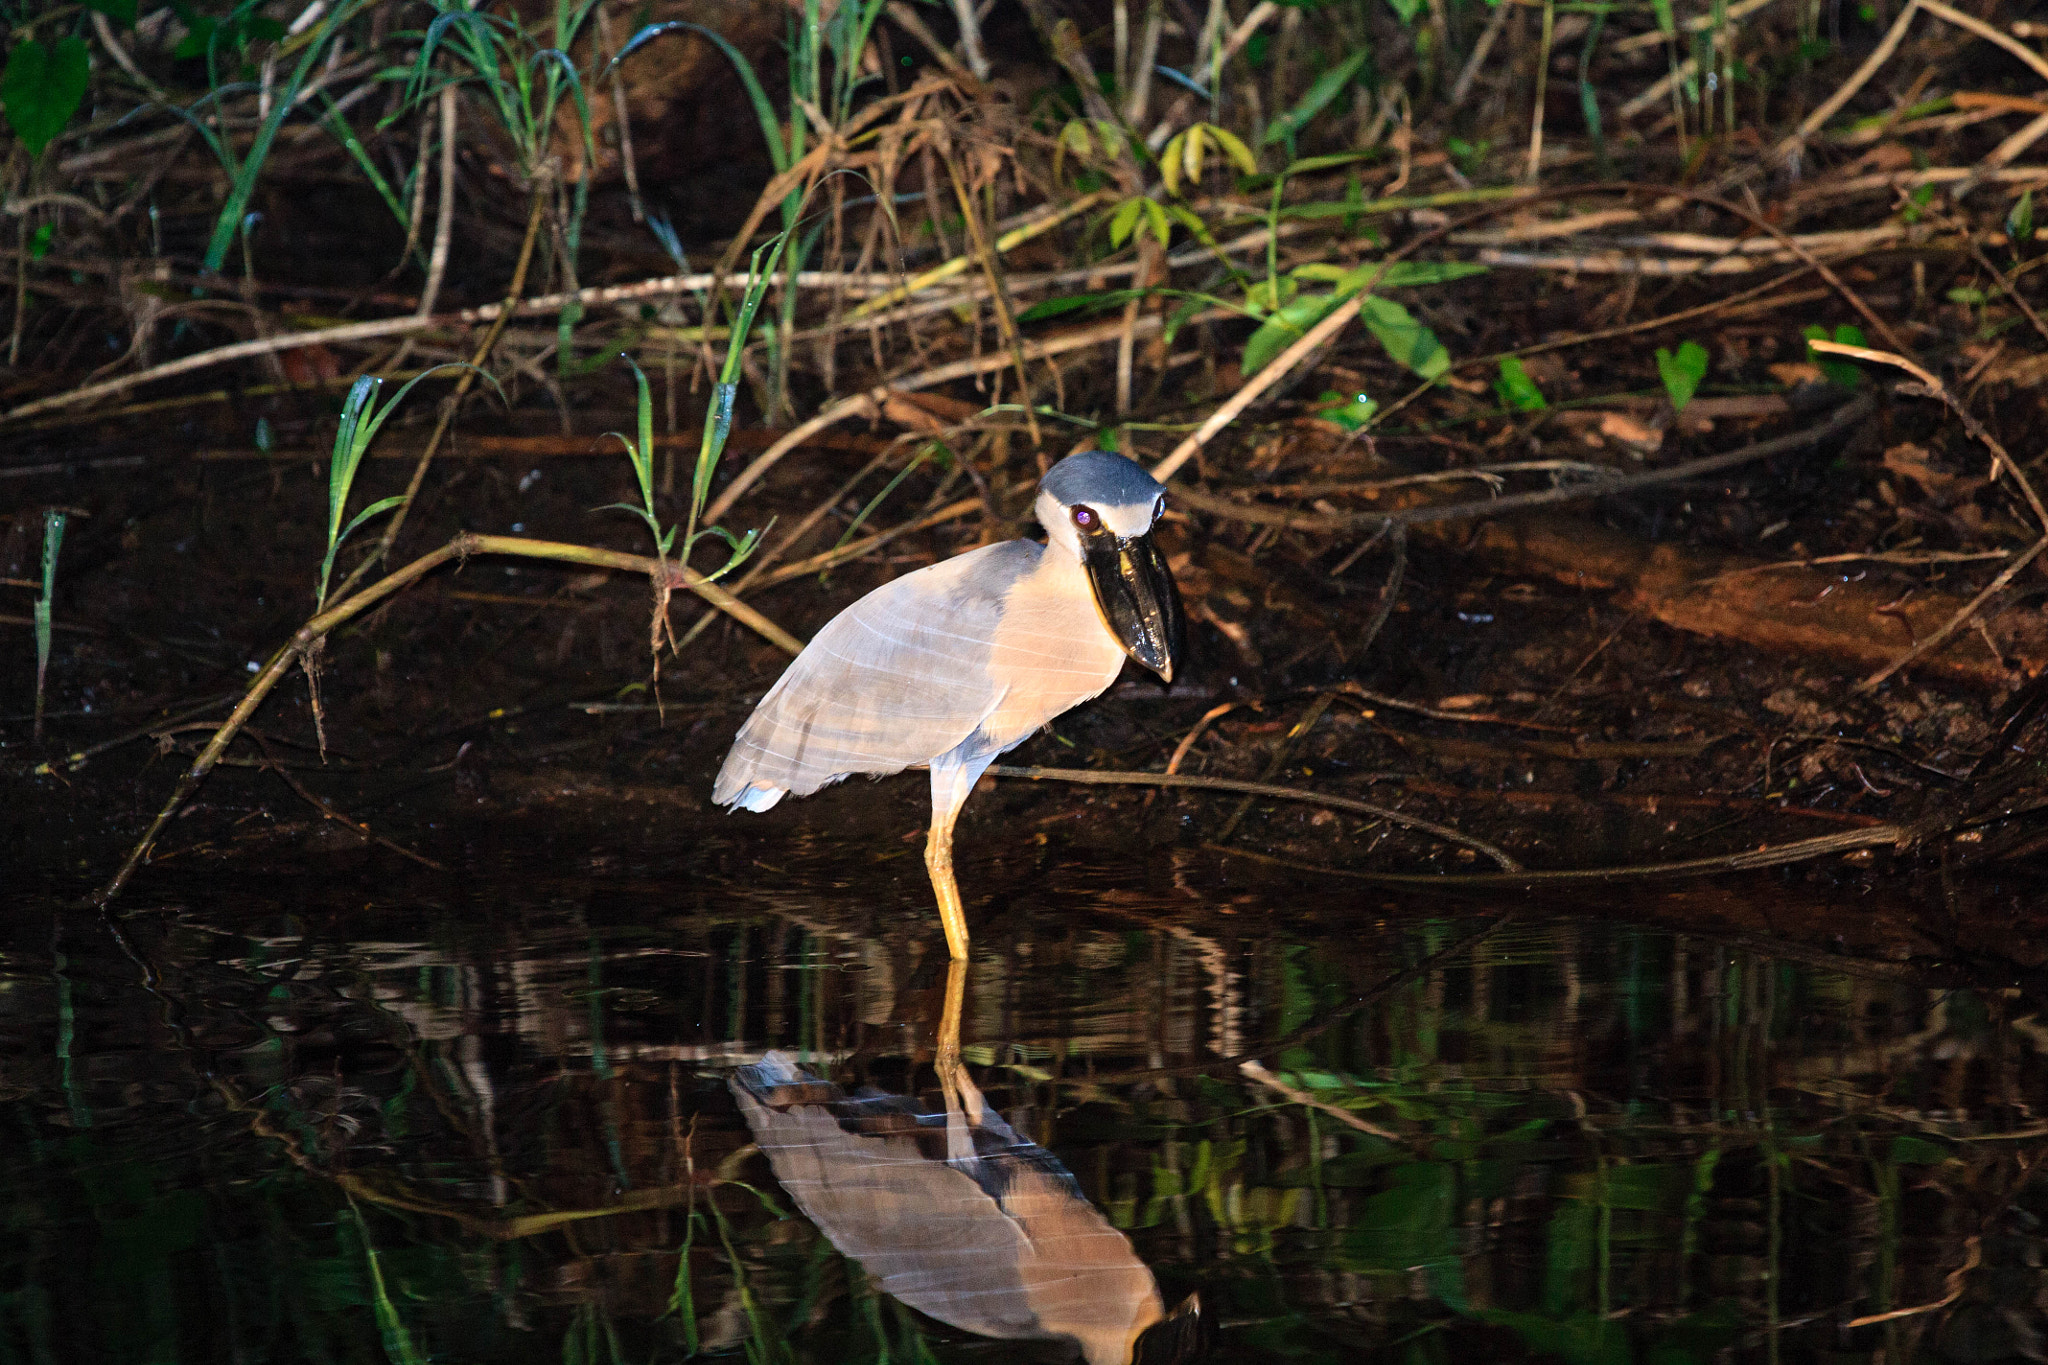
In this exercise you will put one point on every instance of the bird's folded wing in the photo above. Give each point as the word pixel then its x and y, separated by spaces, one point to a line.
pixel 928 1233
pixel 896 679
pixel 1001 1243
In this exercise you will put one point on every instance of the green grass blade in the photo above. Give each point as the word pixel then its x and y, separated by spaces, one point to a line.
pixel 1326 88
pixel 244 182
pixel 887 489
pixel 53 537
pixel 337 123
pixel 771 126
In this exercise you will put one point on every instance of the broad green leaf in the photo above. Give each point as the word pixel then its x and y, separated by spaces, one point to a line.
pixel 1348 410
pixel 1518 392
pixel 1682 372
pixel 1155 213
pixel 1326 88
pixel 1234 148
pixel 1124 221
pixel 1407 9
pixel 1406 339
pixel 1185 216
pixel 43 86
pixel 1846 373
pixel 1286 326
pixel 1667 23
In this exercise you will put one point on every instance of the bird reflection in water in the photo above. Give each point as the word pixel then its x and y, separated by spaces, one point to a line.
pixel 956 1215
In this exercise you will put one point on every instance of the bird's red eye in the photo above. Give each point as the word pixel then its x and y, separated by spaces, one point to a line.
pixel 1084 517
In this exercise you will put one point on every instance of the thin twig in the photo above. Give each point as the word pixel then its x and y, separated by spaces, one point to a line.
pixel 1789 149
pixel 453 402
pixel 1088 776
pixel 1841 419
pixel 1934 388
pixel 327 809
pixel 1961 618
pixel 1747 860
pixel 870 403
pixel 1954 1284
pixel 462 547
pixel 1255 1072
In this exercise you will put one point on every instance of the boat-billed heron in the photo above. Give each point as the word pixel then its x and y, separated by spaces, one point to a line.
pixel 956 663
pixel 956 1215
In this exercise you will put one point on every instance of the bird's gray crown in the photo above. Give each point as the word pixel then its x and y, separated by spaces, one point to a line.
pixel 1100 478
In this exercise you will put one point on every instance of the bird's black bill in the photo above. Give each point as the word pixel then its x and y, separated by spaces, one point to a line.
pixel 1137 597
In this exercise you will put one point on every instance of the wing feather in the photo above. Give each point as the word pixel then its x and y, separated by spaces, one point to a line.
pixel 1001 1242
pixel 896 679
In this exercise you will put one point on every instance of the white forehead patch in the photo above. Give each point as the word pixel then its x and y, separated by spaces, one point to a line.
pixel 1129 519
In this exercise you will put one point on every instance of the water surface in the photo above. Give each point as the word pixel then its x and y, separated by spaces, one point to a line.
pixel 294 1115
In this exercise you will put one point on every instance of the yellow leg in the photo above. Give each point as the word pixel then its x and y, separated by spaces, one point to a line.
pixel 939 862
pixel 947 1063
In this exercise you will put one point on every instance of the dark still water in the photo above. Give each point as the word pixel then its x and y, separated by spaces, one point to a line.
pixel 300 1117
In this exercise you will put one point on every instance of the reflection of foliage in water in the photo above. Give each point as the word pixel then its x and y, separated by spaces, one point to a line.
pixel 1595 1143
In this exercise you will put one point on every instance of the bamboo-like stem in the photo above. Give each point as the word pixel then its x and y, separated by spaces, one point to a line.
pixel 444 225
pixel 462 547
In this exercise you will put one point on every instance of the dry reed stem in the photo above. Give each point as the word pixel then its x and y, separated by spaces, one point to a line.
pixel 1256 1072
pixel 1999 157
pixel 1885 835
pixel 1793 144
pixel 1954 1284
pixel 869 404
pixel 2001 462
pixel 452 404
pixel 1671 80
pixel 1093 777
pixel 461 548
pixel 1274 371
pixel 960 265
pixel 1841 419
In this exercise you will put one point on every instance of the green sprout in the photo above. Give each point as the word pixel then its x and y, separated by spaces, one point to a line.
pixel 361 417
pixel 53 536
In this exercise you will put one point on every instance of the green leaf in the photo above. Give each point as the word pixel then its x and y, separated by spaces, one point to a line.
pixel 1286 326
pixel 1667 23
pixel 1075 303
pixel 2019 220
pixel 1518 392
pixel 1682 372
pixel 381 505
pixel 1406 339
pixel 1348 410
pixel 1124 221
pixel 1326 88
pixel 198 38
pixel 43 86
pixel 1155 214
pixel 1847 373
pixel 1399 275
pixel 1324 163
pixel 1916 1151
pixel 121 12
pixel 1407 9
